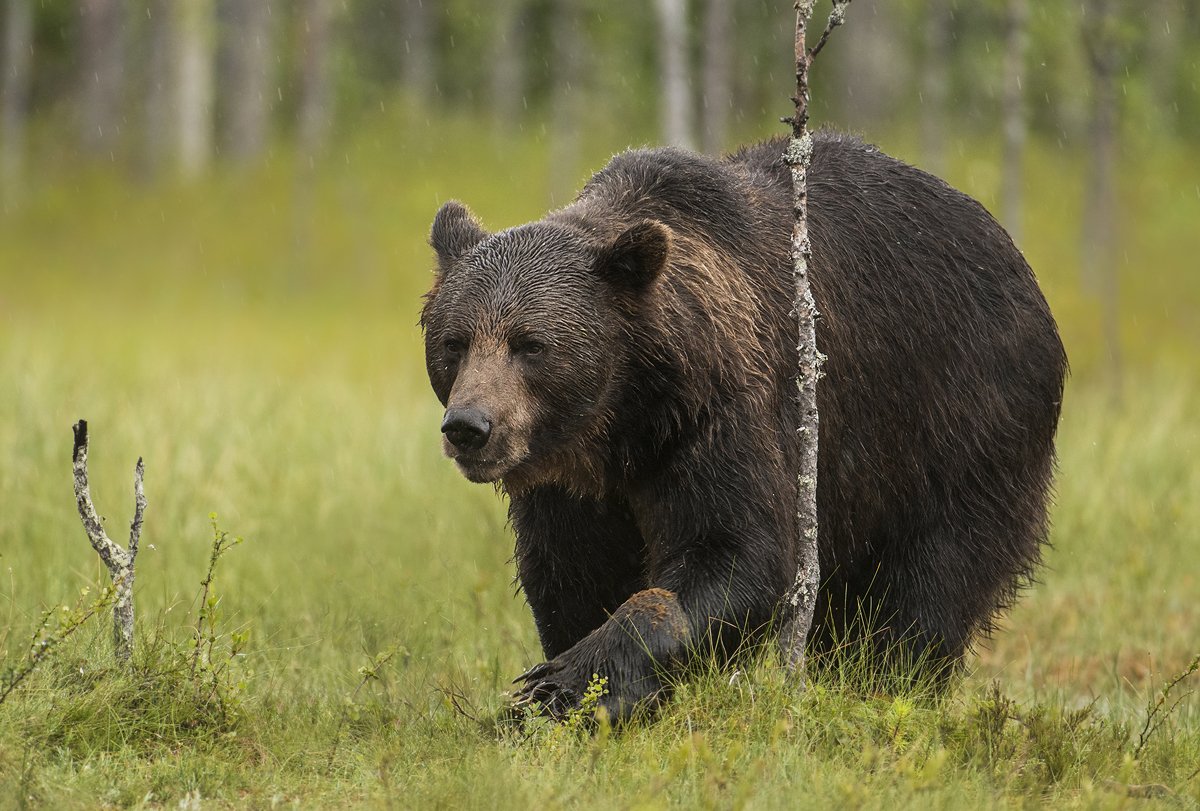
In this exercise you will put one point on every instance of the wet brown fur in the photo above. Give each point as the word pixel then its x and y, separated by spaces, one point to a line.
pixel 658 426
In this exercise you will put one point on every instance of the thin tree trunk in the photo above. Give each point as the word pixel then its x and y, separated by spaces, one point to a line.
pixel 1100 223
pixel 194 104
pixel 676 90
pixel 718 76
pixel 507 75
pixel 316 88
pixel 16 60
pixel 800 601
pixel 418 68
pixel 102 74
pixel 245 64
pixel 567 70
pixel 935 67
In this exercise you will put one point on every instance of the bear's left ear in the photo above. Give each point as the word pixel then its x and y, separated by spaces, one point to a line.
pixel 455 231
pixel 637 257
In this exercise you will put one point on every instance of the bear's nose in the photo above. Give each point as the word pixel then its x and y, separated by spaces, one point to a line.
pixel 467 428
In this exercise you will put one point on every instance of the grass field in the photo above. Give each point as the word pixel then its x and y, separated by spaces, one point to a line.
pixel 254 339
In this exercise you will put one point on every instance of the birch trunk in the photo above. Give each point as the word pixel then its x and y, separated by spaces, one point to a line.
pixel 676 91
pixel 566 99
pixel 417 53
pixel 245 59
pixel 1014 117
pixel 508 74
pixel 16 57
pixel 718 78
pixel 160 80
pixel 316 87
pixel 935 66
pixel 1099 243
pixel 194 122
pixel 801 599
pixel 102 74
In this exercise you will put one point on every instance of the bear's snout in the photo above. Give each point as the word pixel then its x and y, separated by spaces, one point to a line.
pixel 467 429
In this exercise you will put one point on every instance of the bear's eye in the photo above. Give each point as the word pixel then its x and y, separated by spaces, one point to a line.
pixel 453 347
pixel 529 349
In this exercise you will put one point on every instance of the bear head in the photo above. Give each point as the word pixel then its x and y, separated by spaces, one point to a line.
pixel 526 340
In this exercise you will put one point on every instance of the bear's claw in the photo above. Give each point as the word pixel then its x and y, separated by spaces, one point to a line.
pixel 535 672
pixel 543 689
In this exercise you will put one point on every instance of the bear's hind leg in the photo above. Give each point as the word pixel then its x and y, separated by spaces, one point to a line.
pixel 932 594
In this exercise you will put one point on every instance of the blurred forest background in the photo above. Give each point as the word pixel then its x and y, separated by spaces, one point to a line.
pixel 1083 105
pixel 213 223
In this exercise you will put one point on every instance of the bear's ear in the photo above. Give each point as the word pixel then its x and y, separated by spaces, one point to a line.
pixel 637 256
pixel 455 231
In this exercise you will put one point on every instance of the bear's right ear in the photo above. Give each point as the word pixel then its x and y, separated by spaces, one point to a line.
pixel 455 231
pixel 637 256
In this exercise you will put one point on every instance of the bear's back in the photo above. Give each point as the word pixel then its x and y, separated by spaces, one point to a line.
pixel 945 370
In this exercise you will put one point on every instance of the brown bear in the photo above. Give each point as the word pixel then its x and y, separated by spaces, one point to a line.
pixel 625 369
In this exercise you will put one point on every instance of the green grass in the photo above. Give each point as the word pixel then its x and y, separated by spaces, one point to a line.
pixel 254 339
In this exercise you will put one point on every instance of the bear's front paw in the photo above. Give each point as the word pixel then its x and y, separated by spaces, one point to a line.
pixel 557 688
pixel 548 689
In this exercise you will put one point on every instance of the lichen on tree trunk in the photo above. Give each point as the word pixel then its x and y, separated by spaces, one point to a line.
pixel 118 561
pixel 800 600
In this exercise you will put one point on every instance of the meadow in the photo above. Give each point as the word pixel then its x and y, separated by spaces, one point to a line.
pixel 254 338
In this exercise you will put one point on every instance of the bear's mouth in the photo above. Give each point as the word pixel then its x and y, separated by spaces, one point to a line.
pixel 482 471
pixel 484 466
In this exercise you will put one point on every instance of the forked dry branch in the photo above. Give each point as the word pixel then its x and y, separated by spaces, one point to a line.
pixel 118 561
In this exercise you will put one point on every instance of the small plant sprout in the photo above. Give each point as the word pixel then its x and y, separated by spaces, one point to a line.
pixel 205 636
pixel 367 673
pixel 1156 716
pixel 56 624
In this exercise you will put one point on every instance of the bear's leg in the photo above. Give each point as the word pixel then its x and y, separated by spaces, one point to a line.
pixel 935 591
pixel 578 560
pixel 716 569
pixel 703 601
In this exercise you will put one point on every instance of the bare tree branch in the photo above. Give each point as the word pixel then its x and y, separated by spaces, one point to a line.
pixel 836 17
pixel 139 510
pixel 118 561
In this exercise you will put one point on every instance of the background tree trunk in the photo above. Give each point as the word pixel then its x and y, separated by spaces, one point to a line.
pixel 1099 243
pixel 935 67
pixel 1013 167
pixel 872 67
pixel 316 87
pixel 566 103
pixel 718 77
pixel 244 68
pixel 1167 24
pixel 102 74
pixel 161 85
pixel 417 65
pixel 196 28
pixel 507 90
pixel 676 94
pixel 16 62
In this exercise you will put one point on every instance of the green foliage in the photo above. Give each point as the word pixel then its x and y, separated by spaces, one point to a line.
pixel 216 656
pixel 55 626
pixel 1158 711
